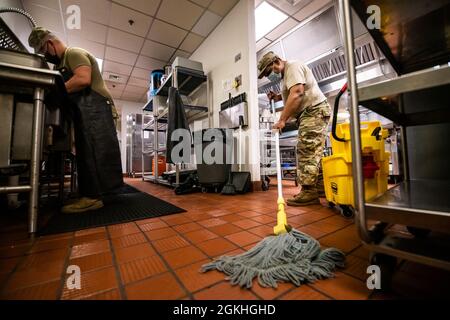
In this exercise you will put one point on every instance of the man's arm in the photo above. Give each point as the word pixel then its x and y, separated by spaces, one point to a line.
pixel 82 77
pixel 291 105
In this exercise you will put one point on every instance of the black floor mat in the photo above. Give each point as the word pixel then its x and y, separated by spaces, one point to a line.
pixel 130 205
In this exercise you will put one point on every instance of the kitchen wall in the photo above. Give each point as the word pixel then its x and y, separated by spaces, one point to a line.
pixel 16 22
pixel 234 35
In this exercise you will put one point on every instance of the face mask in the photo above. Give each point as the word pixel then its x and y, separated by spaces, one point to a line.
pixel 274 77
pixel 53 59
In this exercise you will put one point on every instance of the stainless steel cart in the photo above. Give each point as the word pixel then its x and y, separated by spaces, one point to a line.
pixel 416 44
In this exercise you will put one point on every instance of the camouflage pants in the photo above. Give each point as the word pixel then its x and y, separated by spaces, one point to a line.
pixel 313 123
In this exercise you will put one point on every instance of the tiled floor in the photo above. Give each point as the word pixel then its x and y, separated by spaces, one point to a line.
pixel 160 258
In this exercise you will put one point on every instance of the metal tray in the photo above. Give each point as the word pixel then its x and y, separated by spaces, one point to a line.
pixel 22 59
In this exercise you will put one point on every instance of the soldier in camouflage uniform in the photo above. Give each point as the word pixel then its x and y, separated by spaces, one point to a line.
pixel 304 101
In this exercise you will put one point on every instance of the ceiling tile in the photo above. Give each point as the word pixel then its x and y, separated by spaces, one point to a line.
pixel 97 49
pixel 50 4
pixel 310 9
pixel 94 10
pixel 145 6
pixel 203 3
pixel 191 42
pixel 129 96
pixel 110 76
pixel 207 23
pixel 149 63
pixel 286 26
pixel 180 53
pixel 157 50
pixel 123 40
pixel 116 67
pixel 286 7
pixel 91 31
pixel 222 7
pixel 166 33
pixel 48 18
pixel 180 12
pixel 120 17
pixel 141 73
pixel 139 83
pixel 135 89
pixel 112 86
pixel 261 44
pixel 121 56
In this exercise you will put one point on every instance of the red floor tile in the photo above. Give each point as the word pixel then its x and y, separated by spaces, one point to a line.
pixel 170 243
pixel 41 246
pixel 181 257
pixel 129 240
pixel 93 261
pixel 42 259
pixel 46 291
pixel 216 247
pixel 243 238
pixel 121 232
pixel 212 222
pixel 187 227
pixel 128 254
pixel 137 270
pixel 343 287
pixel 194 280
pixel 92 283
pixel 200 236
pixel 86 249
pixel 262 231
pixel 160 234
pixel 246 224
pixel 304 292
pixel 225 229
pixel 90 231
pixel 225 291
pixel 89 238
pixel 174 220
pixel 162 287
pixel 108 295
pixel 155 225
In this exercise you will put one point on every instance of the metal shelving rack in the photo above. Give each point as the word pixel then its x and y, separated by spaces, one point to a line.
pixel 420 202
pixel 187 81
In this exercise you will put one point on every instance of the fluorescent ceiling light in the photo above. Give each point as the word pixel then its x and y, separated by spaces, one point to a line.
pixel 267 18
pixel 100 64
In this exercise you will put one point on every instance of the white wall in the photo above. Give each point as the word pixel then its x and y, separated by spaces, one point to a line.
pixel 234 35
pixel 125 108
pixel 17 23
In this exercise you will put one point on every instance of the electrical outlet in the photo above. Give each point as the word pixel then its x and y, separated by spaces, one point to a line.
pixel 237 81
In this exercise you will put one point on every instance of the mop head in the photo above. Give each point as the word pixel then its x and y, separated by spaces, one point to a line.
pixel 291 257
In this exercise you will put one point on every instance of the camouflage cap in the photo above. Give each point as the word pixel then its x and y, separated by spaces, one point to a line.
pixel 264 62
pixel 37 38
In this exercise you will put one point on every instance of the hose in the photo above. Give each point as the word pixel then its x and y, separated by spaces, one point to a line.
pixel 20 11
pixel 335 112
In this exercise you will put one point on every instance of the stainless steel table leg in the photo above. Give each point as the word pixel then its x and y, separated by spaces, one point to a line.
pixel 36 148
pixel 358 179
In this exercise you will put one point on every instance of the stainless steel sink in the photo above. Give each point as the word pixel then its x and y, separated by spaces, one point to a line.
pixel 23 59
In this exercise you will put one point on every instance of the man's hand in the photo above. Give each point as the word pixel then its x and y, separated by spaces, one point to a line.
pixel 279 125
pixel 274 96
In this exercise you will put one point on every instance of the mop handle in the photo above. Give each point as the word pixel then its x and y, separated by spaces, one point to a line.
pixel 278 156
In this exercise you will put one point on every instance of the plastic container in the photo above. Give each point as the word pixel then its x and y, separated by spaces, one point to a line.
pixel 337 169
pixel 161 165
pixel 155 81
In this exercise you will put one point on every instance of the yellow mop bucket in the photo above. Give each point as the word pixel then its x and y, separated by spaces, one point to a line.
pixel 337 169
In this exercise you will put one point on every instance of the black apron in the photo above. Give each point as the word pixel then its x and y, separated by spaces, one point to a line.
pixel 99 163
